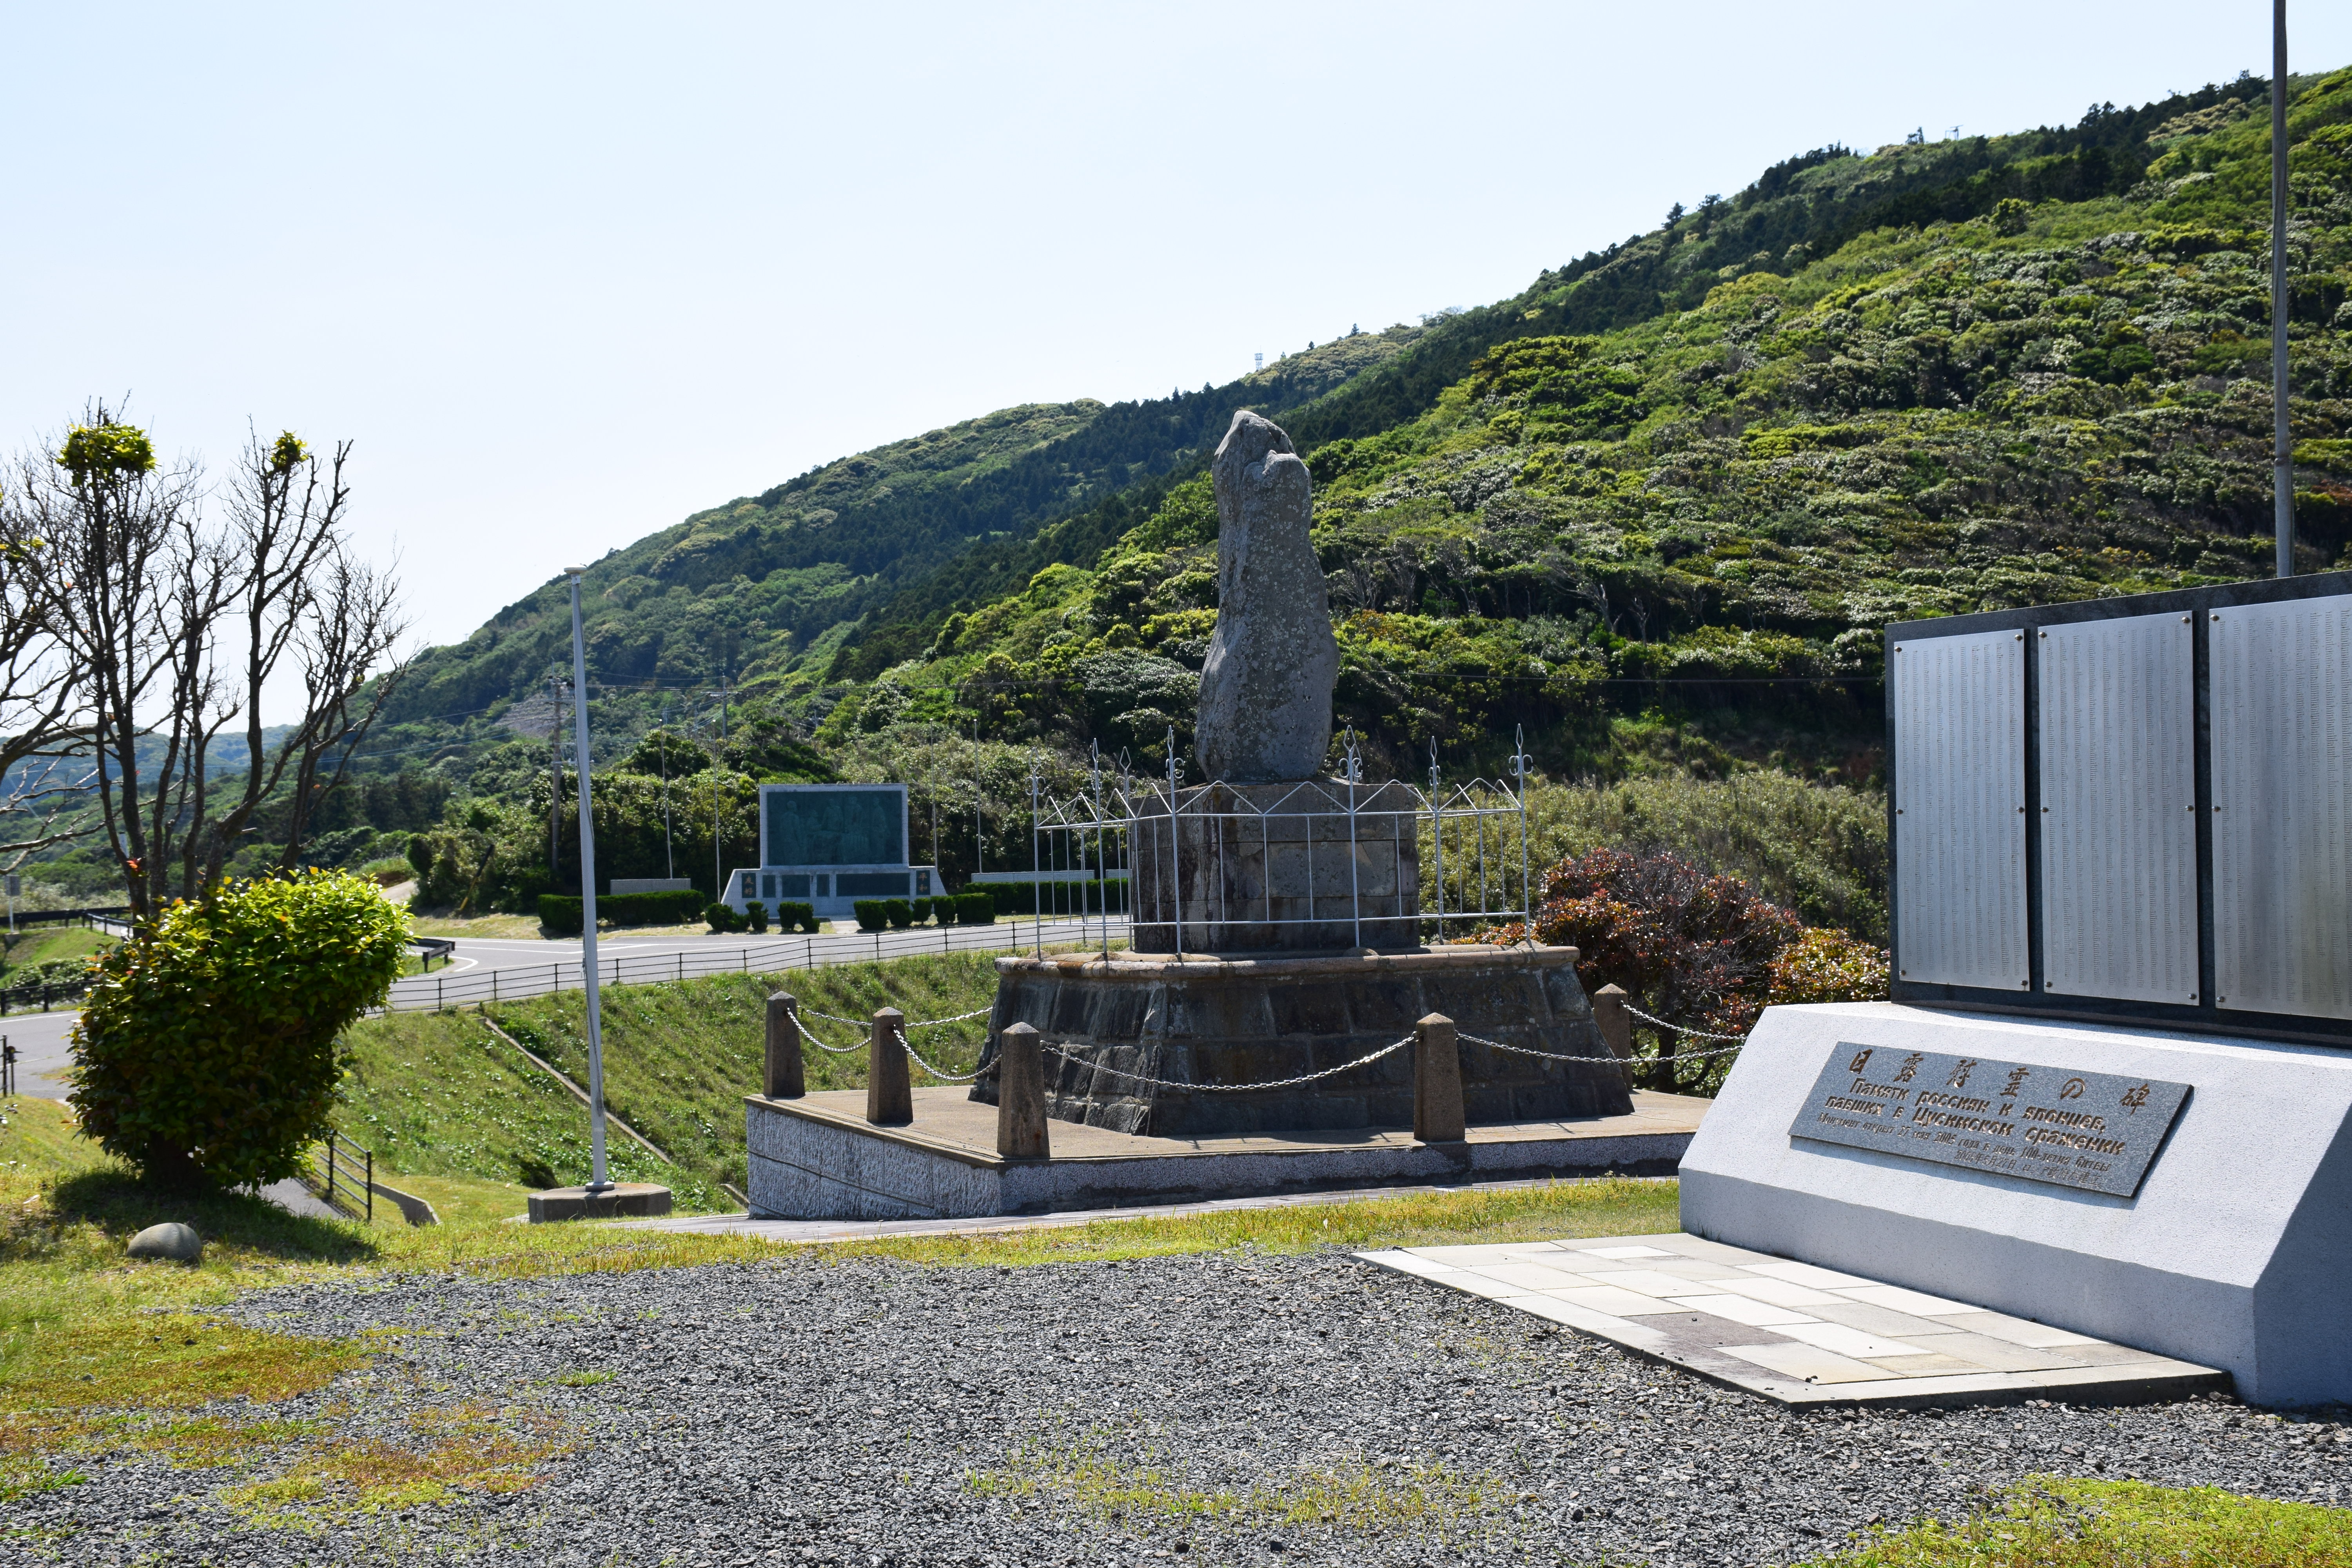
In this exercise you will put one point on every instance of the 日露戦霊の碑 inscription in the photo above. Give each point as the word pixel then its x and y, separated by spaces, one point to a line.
pixel 2094 1131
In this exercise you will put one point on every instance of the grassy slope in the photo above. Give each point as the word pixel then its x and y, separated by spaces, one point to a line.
pixel 1929 420
pixel 438 1095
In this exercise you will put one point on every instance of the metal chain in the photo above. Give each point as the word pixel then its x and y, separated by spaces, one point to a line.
pixel 830 1018
pixel 820 1045
pixel 1231 1088
pixel 926 1024
pixel 1613 1062
pixel 1683 1028
pixel 959 1018
pixel 949 1076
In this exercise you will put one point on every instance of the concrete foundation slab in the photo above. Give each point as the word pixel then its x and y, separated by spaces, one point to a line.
pixel 629 1199
pixel 817 1158
pixel 1699 1305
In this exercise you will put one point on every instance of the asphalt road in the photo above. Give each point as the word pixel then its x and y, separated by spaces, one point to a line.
pixel 495 968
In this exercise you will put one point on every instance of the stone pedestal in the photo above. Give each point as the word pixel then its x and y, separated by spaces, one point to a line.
pixel 621 1200
pixel 1208 1021
pixel 1311 866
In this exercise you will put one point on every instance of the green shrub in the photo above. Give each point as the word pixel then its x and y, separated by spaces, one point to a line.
pixel 794 916
pixel 561 913
pixel 1827 966
pixel 922 911
pixel 899 913
pixel 755 914
pixel 208 1049
pixel 871 915
pixel 975 908
pixel 721 919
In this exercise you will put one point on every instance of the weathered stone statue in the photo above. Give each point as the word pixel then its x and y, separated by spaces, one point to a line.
pixel 1265 690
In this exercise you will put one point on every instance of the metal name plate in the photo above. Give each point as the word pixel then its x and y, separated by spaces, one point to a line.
pixel 2088 1130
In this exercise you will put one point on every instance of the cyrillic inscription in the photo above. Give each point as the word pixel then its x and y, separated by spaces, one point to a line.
pixel 2096 1131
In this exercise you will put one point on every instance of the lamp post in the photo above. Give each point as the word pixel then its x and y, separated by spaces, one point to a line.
pixel 598 1181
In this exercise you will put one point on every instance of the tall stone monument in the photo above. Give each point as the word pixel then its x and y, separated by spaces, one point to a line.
pixel 1265 690
pixel 1276 910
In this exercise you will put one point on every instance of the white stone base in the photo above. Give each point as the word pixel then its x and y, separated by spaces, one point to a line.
pixel 2236 1253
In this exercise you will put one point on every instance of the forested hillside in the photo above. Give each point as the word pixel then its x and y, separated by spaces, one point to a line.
pixel 1655 509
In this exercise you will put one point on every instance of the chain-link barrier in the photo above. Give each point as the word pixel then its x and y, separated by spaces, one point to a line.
pixel 820 1045
pixel 1230 1088
pixel 1613 1062
pixel 949 1076
pixel 1685 1029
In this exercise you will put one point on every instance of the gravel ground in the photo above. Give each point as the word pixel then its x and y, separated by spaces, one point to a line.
pixel 868 1413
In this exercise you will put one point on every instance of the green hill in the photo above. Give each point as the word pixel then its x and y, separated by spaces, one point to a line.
pixel 1655 507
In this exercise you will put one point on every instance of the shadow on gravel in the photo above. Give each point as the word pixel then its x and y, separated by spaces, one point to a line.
pixel 122 1205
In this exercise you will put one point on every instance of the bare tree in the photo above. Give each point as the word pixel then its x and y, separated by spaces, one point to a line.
pixel 45 767
pixel 143 592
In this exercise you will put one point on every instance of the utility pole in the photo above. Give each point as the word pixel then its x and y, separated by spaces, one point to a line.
pixel 670 851
pixel 554 778
pixel 598 1181
pixel 2282 446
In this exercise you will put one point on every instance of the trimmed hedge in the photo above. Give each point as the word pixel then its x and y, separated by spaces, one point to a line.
pixel 973 909
pixel 1061 898
pixel 873 914
pixel 792 915
pixel 561 913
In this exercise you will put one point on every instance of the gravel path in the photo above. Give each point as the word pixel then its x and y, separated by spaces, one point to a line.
pixel 868 1413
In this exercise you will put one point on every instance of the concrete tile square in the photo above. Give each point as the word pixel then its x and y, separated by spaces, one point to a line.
pixel 1807 1362
pixel 1648 1281
pixel 1878 1319
pixel 1930 1365
pixel 1609 1299
pixel 2016 1331
pixel 1623 1252
pixel 1992 1354
pixel 1778 1292
pixel 1530 1276
pixel 1806 1274
pixel 1741 1309
pixel 1895 1299
pixel 1844 1341
pixel 1479 1285
pixel 1409 1263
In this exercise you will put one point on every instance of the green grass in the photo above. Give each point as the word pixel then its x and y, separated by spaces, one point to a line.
pixel 2054 1522
pixel 679 1057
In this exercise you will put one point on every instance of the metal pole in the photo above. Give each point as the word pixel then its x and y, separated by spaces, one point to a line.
pixel 1037 865
pixel 598 1181
pixel 669 850
pixel 1175 866
pixel 1527 886
pixel 1355 896
pixel 1438 841
pixel 555 780
pixel 2282 450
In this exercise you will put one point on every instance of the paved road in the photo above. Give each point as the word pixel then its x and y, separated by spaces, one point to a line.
pixel 41 1054
pixel 495 968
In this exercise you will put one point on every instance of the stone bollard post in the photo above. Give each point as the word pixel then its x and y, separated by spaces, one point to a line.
pixel 1436 1082
pixel 889 1096
pixel 1616 1028
pixel 782 1079
pixel 1020 1095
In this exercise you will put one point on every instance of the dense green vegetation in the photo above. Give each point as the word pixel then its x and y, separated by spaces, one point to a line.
pixel 1655 509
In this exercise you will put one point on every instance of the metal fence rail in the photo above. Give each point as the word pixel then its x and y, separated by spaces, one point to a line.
pixel 342 1176
pixel 431 993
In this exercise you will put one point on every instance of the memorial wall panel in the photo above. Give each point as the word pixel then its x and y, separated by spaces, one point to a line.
pixel 2116 712
pixel 1960 825
pixel 2282 742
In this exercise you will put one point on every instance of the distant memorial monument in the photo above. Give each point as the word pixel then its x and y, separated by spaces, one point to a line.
pixel 2113 1093
pixel 1277 914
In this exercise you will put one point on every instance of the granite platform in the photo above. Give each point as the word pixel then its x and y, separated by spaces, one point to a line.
pixel 817 1157
pixel 1797 1335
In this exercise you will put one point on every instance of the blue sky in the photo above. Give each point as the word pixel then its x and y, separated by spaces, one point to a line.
pixel 568 273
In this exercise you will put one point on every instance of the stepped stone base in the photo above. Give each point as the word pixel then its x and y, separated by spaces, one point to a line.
pixel 1201 1022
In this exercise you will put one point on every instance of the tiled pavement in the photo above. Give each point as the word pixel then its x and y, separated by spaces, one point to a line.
pixel 1794 1332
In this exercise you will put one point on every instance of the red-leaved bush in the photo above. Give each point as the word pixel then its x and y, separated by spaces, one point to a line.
pixel 1688 945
